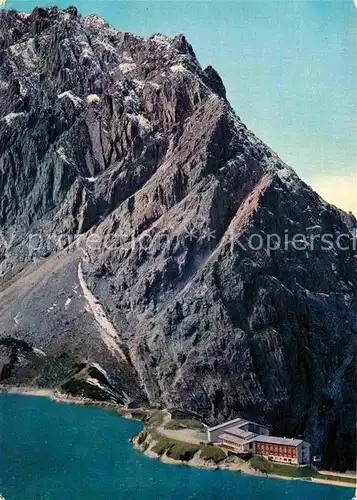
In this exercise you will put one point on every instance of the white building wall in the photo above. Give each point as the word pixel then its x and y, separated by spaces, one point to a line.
pixel 250 447
pixel 278 458
pixel 304 453
pixel 235 446
pixel 240 448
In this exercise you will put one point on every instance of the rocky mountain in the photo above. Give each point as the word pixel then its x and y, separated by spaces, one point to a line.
pixel 139 251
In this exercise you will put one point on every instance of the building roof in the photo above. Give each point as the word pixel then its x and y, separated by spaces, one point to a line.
pixel 237 431
pixel 235 421
pixel 277 440
pixel 239 423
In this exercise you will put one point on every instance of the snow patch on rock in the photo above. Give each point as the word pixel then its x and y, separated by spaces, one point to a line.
pixel 178 68
pixel 26 51
pixel 101 370
pixel 126 67
pixel 68 94
pixel 62 154
pixel 127 57
pixel 51 308
pixel 143 122
pixel 39 352
pixel 288 176
pixel 3 85
pixel 12 116
pixel 94 381
pixel 93 98
pixel 161 39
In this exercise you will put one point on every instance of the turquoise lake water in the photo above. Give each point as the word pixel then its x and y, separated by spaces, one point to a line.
pixel 54 451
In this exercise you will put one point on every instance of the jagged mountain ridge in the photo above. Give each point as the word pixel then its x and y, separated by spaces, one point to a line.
pixel 109 141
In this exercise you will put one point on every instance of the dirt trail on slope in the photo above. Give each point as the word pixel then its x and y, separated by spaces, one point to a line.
pixel 186 435
pixel 109 333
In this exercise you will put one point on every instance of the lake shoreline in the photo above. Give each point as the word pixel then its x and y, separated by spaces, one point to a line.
pixel 143 414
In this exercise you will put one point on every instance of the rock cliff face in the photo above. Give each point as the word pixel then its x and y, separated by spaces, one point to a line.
pixel 135 213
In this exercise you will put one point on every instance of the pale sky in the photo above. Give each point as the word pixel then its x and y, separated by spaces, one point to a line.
pixel 339 190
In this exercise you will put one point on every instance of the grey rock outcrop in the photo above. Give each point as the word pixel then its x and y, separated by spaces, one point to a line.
pixel 122 155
